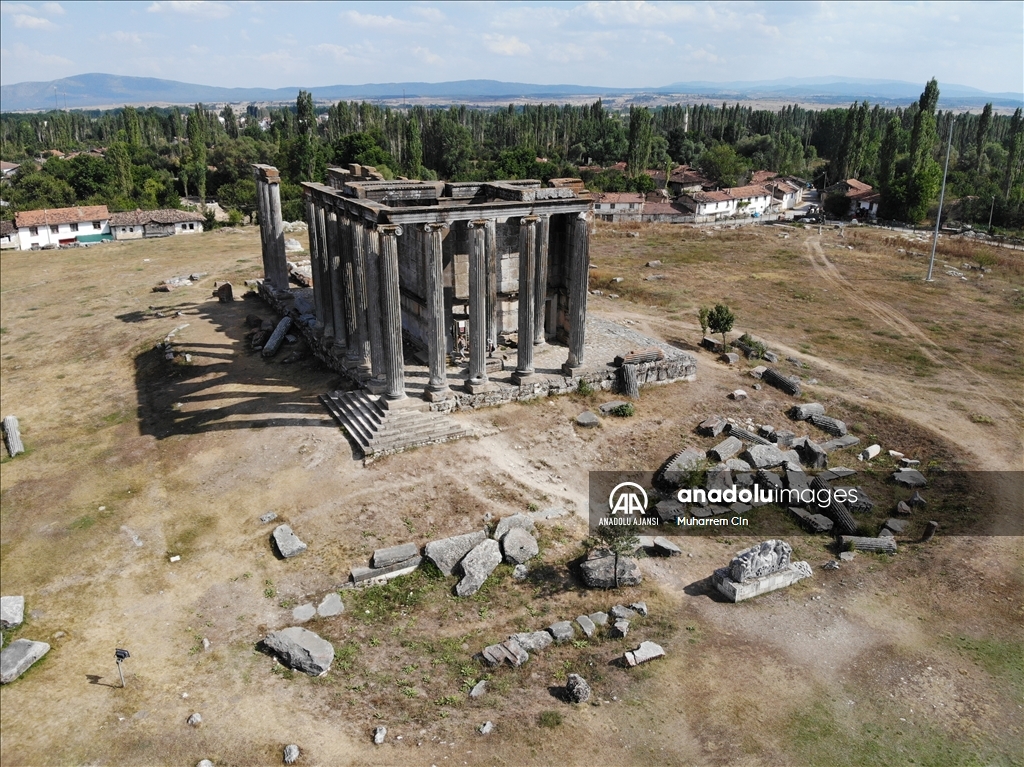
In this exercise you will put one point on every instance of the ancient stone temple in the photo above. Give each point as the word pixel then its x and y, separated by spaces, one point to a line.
pixel 435 296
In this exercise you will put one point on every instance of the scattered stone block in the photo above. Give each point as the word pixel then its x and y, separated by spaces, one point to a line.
pixel 478 689
pixel 869 452
pixel 448 552
pixel 608 407
pixel 508 651
pixel 486 728
pixel 896 454
pixel 599 618
pixel 712 345
pixel 909 462
pixel 803 412
pixel 477 565
pixel 712 426
pixel 586 625
pixel 839 443
pixel 917 500
pixel 896 525
pixel 204 763
pixel 830 565
pixel 726 449
pixel 847 556
pixel 814 523
pixel 223 293
pixel 729 358
pixel 287 543
pixel 330 606
pixel 739 467
pixel 812 454
pixel 519 546
pixel 302 650
pixel 587 420
pixel 379 733
pixel 12 612
pixel 885 532
pixel 758 371
pixel 909 478
pixel 763 456
pixel 521 521
pixel 664 546
pixel 393 554
pixel 562 631
pixel 747 436
pixel 303 613
pixel 737 592
pixel 647 651
pixel 18 657
pixel 904 508
pixel 277 337
pixel 552 513
pixel 291 751
pixel 781 382
pixel 385 574
pixel 620 628
pixel 12 436
pixel 738 394
pixel 195 719
pixel 533 641
pixel 783 438
pixel 604 570
pixel 620 612
pixel 576 689
pixel 519 572
pixel 682 465
pixel 268 517
pixel 640 608
pixel 882 545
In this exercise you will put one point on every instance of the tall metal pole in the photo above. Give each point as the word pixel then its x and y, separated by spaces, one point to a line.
pixel 990 212
pixel 942 196
pixel 120 673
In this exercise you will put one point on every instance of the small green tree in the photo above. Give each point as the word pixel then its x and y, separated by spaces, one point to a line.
pixel 720 320
pixel 621 541
pixel 702 317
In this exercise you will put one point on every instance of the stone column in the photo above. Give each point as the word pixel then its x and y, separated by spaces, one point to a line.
pixel 579 268
pixel 524 372
pixel 391 312
pixel 355 227
pixel 437 386
pixel 478 348
pixel 277 260
pixel 324 275
pixel 329 218
pixel 315 261
pixel 540 296
pixel 263 206
pixel 492 286
pixel 371 242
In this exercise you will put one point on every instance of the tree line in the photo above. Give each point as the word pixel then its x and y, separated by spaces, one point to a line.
pixel 153 156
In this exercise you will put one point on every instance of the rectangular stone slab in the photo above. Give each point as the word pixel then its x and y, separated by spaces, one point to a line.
pixel 18 657
pixel 393 554
pixel 360 574
pixel 737 592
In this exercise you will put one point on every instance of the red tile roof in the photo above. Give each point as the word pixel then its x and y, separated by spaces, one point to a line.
pixel 857 186
pixel 619 197
pixel 50 216
pixel 760 176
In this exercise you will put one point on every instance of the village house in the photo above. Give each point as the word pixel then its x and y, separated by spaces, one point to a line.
pixel 137 224
pixel 862 197
pixel 618 206
pixel 53 227
pixel 8 169
pixel 748 200
pixel 8 235
pixel 686 179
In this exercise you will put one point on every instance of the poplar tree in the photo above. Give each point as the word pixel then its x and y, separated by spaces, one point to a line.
pixel 640 141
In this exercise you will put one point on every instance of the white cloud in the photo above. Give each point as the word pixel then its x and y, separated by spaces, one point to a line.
pixel 337 52
pixel 53 9
pixel 427 13
pixel 129 38
pixel 24 62
pixel 12 8
pixel 370 20
pixel 426 55
pixel 506 46
pixel 209 10
pixel 24 21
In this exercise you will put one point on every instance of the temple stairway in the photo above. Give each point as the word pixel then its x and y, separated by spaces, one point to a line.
pixel 377 430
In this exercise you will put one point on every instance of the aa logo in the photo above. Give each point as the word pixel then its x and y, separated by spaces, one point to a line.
pixel 627 498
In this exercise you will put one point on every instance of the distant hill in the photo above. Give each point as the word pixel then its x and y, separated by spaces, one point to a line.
pixel 104 90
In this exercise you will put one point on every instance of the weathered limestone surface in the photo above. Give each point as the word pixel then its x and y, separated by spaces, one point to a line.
pixel 738 592
pixel 726 449
pixel 448 552
pixel 18 657
pixel 760 559
pixel 12 436
pixel 605 570
pixel 882 545
pixel 647 651
pixel 12 612
pixel 833 426
pixel 392 554
pixel 576 689
pixel 505 524
pixel 803 412
pixel 508 651
pixel 302 650
pixel 287 542
pixel 519 546
pixel 533 641
pixel 477 565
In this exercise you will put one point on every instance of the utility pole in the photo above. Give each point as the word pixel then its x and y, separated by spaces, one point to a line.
pixel 942 196
pixel 990 212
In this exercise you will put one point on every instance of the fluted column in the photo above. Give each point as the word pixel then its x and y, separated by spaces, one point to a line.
pixel 437 386
pixel 315 262
pixel 579 267
pixel 540 296
pixel 527 288
pixel 391 312
pixel 328 217
pixel 355 227
pixel 373 313
pixel 263 205
pixel 277 260
pixel 478 349
pixel 492 286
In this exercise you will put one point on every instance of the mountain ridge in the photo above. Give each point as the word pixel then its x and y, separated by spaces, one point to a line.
pixel 96 89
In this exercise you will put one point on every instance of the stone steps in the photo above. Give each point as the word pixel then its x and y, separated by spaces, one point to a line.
pixel 377 431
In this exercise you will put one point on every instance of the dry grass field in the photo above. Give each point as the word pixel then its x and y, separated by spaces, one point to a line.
pixel 912 659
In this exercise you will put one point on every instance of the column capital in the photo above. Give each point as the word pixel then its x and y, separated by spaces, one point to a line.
pixel 389 230
pixel 476 223
pixel 528 220
pixel 435 227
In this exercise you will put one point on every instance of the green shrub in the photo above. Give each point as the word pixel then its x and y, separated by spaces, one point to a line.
pixel 625 410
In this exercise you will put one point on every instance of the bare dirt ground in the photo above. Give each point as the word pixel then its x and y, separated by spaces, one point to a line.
pixel 915 658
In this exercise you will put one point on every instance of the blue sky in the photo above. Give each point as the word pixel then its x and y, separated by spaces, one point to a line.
pixel 614 44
